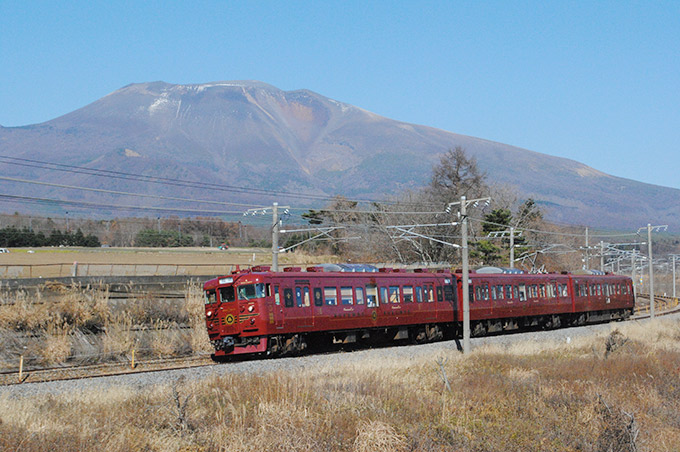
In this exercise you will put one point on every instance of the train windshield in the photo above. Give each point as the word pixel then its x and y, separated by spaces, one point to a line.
pixel 227 294
pixel 210 297
pixel 250 291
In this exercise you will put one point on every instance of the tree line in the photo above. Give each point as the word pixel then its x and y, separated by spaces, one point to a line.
pixel 14 237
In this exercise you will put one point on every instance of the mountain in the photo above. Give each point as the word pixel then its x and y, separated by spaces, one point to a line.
pixel 250 134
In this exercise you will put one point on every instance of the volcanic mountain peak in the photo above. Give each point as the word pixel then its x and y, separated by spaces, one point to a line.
pixel 251 134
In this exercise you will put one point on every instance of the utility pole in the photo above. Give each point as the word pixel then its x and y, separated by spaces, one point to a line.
pixel 276 228
pixel 674 276
pixel 651 228
pixel 512 247
pixel 466 276
pixel 674 256
pixel 651 271
pixel 587 261
pixel 466 270
pixel 275 237
pixel 632 266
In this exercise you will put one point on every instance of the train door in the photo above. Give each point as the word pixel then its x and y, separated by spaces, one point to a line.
pixel 277 307
pixel 303 305
pixel 228 310
pixel 372 302
pixel 448 310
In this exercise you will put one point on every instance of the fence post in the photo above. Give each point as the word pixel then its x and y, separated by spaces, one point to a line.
pixel 74 272
pixel 21 368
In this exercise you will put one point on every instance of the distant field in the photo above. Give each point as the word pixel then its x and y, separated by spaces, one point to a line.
pixel 54 262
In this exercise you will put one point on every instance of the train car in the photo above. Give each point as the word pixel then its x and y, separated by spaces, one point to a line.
pixel 274 313
pixel 257 311
pixel 501 301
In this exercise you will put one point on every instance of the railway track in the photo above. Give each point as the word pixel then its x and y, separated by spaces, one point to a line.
pixel 14 377
pixel 102 370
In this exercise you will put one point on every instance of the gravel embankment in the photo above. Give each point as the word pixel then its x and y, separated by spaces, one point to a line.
pixel 147 380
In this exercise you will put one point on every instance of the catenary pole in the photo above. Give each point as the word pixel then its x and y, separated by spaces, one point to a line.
pixel 466 277
pixel 632 274
pixel 587 262
pixel 512 247
pixel 275 237
pixel 651 271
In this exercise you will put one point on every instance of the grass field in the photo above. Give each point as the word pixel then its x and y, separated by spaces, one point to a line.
pixel 55 262
pixel 615 391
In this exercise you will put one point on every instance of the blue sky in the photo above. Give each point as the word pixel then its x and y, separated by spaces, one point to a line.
pixel 597 82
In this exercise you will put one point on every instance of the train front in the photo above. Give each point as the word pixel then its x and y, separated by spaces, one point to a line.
pixel 235 308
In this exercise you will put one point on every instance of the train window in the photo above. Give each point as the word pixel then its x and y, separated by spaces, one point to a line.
pixel 478 293
pixel 533 291
pixel 440 296
pixel 277 299
pixel 298 296
pixel 522 292
pixel 515 292
pixel 346 295
pixel 508 292
pixel 330 294
pixel 448 292
pixel 288 297
pixel 407 293
pixel 227 294
pixel 501 295
pixel 394 294
pixel 383 295
pixel 250 291
pixel 541 291
pixel 429 293
pixel 318 298
pixel 494 295
pixel 471 294
pixel 305 296
pixel 599 290
pixel 359 293
pixel 210 296
pixel 419 294
pixel 371 296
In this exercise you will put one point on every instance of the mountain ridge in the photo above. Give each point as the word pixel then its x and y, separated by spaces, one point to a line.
pixel 250 133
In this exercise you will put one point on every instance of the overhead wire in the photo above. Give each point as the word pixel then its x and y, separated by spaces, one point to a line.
pixel 113 206
pixel 115 192
pixel 173 182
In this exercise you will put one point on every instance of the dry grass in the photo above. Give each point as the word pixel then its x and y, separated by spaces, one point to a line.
pixel 527 397
pixel 65 324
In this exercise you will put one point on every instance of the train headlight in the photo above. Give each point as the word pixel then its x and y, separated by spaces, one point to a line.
pixel 252 321
pixel 208 314
pixel 251 308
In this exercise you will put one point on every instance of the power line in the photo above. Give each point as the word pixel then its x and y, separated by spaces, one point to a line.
pixel 32 163
pixel 101 190
pixel 113 206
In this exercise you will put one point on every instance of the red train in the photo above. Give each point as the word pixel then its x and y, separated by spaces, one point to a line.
pixel 257 311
